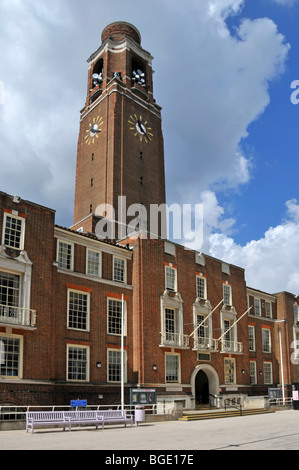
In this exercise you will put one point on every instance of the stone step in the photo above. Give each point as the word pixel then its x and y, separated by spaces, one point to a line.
pixel 195 415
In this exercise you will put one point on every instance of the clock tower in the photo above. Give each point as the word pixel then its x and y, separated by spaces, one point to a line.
pixel 120 158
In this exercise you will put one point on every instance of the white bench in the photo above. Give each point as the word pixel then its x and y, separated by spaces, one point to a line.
pixel 84 417
pixel 115 416
pixel 62 418
pixel 46 418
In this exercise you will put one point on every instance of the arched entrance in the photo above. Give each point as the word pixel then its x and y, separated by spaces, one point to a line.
pixel 204 382
pixel 201 388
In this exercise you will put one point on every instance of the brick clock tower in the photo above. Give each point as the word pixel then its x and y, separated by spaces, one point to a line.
pixel 120 145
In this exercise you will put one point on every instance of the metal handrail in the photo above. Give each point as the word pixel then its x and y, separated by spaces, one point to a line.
pixel 13 410
pixel 210 401
pixel 231 405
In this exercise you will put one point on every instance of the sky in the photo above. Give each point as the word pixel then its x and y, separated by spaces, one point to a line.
pixel 224 72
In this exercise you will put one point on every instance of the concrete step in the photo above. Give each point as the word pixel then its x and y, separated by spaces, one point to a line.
pixel 221 413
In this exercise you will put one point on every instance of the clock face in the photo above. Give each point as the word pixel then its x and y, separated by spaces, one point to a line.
pixel 93 130
pixel 140 127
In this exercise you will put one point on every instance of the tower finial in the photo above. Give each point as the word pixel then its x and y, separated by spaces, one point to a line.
pixel 118 29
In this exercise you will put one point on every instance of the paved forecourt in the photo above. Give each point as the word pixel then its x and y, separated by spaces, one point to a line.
pixel 275 431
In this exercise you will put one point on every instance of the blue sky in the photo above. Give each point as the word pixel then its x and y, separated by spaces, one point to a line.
pixel 273 138
pixel 223 74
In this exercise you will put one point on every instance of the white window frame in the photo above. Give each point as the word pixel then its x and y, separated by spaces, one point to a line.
pixel 226 285
pixel 87 294
pixel 268 309
pixel 125 365
pixel 170 324
pixel 125 315
pixel 252 373
pixel 71 244
pixel 20 357
pixel 176 304
pixel 203 279
pixel 268 372
pixel 171 281
pixel 87 349
pixel 257 307
pixel 251 339
pixel 266 341
pixel 22 235
pixel 229 376
pixel 98 264
pixel 11 291
pixel 178 381
pixel 21 266
pixel 120 258
pixel 230 336
pixel 203 336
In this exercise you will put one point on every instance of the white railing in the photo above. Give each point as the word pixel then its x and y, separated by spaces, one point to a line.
pixel 296 353
pixel 174 339
pixel 17 316
pixel 231 346
pixel 288 401
pixel 205 343
pixel 13 412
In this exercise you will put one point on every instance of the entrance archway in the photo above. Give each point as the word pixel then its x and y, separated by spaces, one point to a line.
pixel 201 388
pixel 204 382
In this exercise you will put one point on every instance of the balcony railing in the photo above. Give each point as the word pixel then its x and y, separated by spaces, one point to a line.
pixel 17 316
pixel 174 339
pixel 231 346
pixel 295 354
pixel 205 343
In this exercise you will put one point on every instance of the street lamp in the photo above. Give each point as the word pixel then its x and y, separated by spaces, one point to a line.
pixel 122 351
pixel 281 363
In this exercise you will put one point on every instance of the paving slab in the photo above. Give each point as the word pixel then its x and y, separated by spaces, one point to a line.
pixel 275 431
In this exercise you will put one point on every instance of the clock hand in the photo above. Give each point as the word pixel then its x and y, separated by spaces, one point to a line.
pixel 94 128
pixel 141 127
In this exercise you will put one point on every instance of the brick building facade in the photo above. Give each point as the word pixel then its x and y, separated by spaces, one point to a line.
pixel 193 329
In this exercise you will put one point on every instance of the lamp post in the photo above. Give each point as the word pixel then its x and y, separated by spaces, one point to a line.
pixel 281 362
pixel 122 352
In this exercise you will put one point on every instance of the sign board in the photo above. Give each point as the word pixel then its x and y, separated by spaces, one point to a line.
pixel 274 392
pixel 143 396
pixel 78 403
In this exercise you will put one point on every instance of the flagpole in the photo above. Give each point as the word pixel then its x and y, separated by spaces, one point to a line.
pixel 211 313
pixel 226 331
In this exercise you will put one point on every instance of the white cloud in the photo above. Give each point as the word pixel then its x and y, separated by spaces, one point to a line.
pixel 223 81
pixel 227 88
pixel 222 75
pixel 37 143
pixel 285 2
pixel 271 263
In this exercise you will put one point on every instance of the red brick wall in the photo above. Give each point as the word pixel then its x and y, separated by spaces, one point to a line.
pixel 149 285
